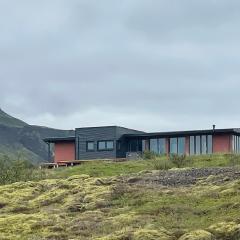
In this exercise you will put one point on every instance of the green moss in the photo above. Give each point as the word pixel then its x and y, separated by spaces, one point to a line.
pixel 197 235
pixel 145 234
pixel 83 207
pixel 226 230
pixel 141 234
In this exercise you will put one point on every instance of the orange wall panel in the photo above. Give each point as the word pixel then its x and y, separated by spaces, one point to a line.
pixel 222 143
pixel 64 151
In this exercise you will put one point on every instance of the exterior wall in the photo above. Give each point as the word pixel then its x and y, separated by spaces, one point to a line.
pixel 167 145
pixel 64 151
pixel 222 143
pixel 187 145
pixel 120 131
pixel 95 134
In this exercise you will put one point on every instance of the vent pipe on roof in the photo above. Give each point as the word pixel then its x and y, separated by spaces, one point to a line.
pixel 214 127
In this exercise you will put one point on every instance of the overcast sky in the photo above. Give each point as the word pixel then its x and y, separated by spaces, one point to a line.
pixel 147 64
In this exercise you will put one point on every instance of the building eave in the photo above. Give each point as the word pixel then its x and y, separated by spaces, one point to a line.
pixel 184 133
pixel 59 139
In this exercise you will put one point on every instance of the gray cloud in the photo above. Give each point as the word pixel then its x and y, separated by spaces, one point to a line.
pixel 147 64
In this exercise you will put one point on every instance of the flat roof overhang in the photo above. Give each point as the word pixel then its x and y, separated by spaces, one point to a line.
pixel 184 133
pixel 60 139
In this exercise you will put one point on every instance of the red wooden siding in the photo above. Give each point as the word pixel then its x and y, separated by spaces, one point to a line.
pixel 64 151
pixel 222 143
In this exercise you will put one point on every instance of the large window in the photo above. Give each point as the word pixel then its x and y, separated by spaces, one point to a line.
pixel 204 144
pixel 162 145
pixel 173 146
pixel 105 145
pixel 236 144
pixel 154 145
pixel 192 145
pixel 90 146
pixel 181 146
pixel 198 145
pixel 201 144
pixel 209 144
pixel 158 145
pixel 177 145
pixel 135 145
pixel 101 145
pixel 109 145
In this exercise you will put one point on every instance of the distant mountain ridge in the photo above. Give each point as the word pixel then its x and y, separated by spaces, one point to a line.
pixel 21 140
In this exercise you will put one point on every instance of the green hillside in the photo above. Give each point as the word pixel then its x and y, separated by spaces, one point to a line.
pixel 126 201
pixel 19 138
pixel 8 120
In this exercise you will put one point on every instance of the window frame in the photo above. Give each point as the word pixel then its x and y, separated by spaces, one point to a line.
pixel 105 142
pixel 90 150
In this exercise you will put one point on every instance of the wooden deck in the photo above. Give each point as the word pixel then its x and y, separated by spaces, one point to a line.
pixel 61 164
pixel 76 162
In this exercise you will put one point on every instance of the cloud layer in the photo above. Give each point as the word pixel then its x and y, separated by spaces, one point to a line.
pixel 147 64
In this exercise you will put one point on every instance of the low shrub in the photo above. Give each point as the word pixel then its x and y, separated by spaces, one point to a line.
pixel 148 155
pixel 16 170
pixel 233 159
pixel 162 164
pixel 178 160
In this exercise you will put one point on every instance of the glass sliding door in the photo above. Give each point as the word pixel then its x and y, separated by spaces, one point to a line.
pixel 161 146
pixel 144 145
pixel 192 145
pixel 198 145
pixel 209 144
pixel 238 144
pixel 158 146
pixel 237 150
pixel 201 144
pixel 154 145
pixel 204 144
pixel 173 146
pixel 181 145
pixel 133 145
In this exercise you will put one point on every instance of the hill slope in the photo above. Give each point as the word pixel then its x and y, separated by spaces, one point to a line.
pixel 8 120
pixel 18 139
pixel 134 206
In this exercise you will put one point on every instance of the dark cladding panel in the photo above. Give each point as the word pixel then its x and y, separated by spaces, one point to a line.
pixel 95 134
pixel 107 134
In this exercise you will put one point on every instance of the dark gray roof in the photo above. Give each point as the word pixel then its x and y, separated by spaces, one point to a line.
pixel 157 134
pixel 185 133
pixel 60 139
pixel 112 126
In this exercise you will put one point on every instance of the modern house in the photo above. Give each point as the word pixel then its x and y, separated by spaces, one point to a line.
pixel 112 142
